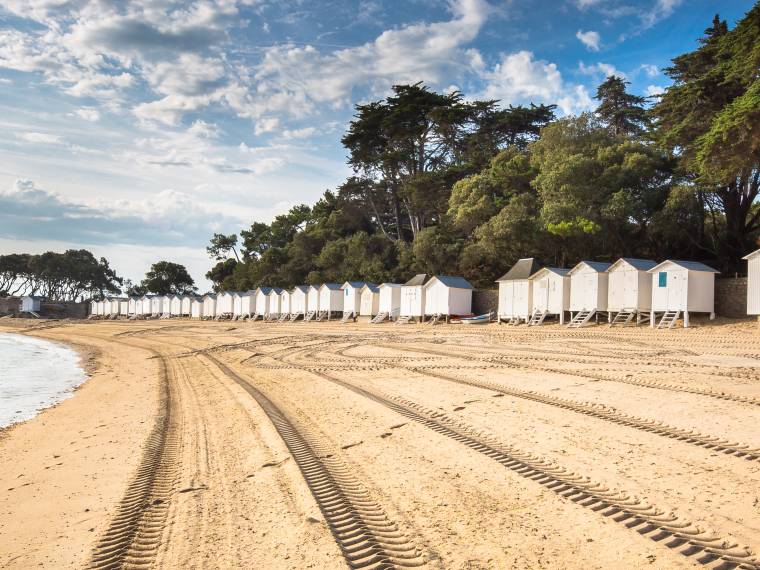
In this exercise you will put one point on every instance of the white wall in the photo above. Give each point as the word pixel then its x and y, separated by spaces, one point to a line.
pixel 275 303
pixel 370 303
pixel 390 299
pixel 629 288
pixel 285 303
pixel 412 301
pixel 351 300
pixel 673 295
pixel 262 303
pixel 331 300
pixel 753 285
pixel 247 303
pixel 588 290
pixel 701 292
pixel 313 299
pixel 551 292
pixel 209 307
pixel 175 306
pixel 196 308
pixel 299 302
pixel 515 298
pixel 186 305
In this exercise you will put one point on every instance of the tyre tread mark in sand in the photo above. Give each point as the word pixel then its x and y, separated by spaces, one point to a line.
pixel 648 520
pixel 362 530
pixel 134 535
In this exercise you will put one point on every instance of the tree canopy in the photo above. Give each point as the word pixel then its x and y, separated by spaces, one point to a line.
pixel 168 278
pixel 443 184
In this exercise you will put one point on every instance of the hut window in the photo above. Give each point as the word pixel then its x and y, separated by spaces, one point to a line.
pixel 663 279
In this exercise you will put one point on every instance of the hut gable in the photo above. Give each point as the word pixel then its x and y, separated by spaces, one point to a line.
pixel 523 269
pixel 418 280
pixel 683 286
pixel 633 263
pixel 448 295
pixel 589 286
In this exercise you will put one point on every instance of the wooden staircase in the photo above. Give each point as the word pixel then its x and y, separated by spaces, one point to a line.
pixel 668 319
pixel 346 317
pixel 283 317
pixel 581 318
pixel 294 317
pixel 405 320
pixel 321 316
pixel 623 318
pixel 537 318
pixel 434 319
pixel 310 316
pixel 379 318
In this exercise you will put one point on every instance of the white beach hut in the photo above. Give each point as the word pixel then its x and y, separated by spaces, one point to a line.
pixel 413 298
pixel 246 305
pixel 133 305
pixel 124 307
pixel 157 305
pixel 681 287
pixel 515 291
pixel 209 306
pixel 588 291
pixel 196 307
pixel 352 298
pixel 629 291
pixel 275 303
pixel 31 304
pixel 285 297
pixel 313 301
pixel 330 300
pixel 753 283
pixel 145 305
pixel 115 306
pixel 447 295
pixel 299 302
pixel 550 288
pixel 369 304
pixel 389 302
pixel 186 306
pixel 262 302
pixel 175 305
pixel 224 304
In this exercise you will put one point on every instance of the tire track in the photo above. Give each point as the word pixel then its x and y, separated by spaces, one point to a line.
pixel 648 520
pixel 133 537
pixel 362 530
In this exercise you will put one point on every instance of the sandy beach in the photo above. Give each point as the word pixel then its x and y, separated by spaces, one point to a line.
pixel 234 444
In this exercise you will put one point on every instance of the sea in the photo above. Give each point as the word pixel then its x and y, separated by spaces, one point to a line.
pixel 34 374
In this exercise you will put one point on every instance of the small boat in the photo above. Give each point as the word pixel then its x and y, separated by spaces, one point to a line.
pixel 478 320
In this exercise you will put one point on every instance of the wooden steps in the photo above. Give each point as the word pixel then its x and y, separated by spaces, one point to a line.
pixel 581 318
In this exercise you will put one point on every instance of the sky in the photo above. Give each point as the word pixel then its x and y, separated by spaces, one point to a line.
pixel 137 129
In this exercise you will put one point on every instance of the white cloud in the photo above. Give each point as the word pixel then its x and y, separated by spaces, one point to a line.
pixel 589 39
pixel 661 10
pixel 600 70
pixel 88 114
pixel 655 90
pixel 303 133
pixel 650 69
pixel 266 125
pixel 41 138
pixel 519 78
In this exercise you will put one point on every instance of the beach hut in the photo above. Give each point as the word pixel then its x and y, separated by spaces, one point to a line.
pixel 224 304
pixel 447 295
pixel 133 305
pixel 157 305
pixel 299 302
pixel 369 303
pixel 285 297
pixel 262 302
pixel 312 299
pixel 114 306
pixel 196 307
pixel 753 283
pixel 588 291
pixel 124 307
pixel 175 305
pixel 31 304
pixel 389 302
pixel 145 305
pixel 681 287
pixel 186 306
pixel 550 296
pixel 93 308
pixel 352 298
pixel 245 305
pixel 330 300
pixel 413 298
pixel 275 303
pixel 209 306
pixel 629 291
pixel 516 291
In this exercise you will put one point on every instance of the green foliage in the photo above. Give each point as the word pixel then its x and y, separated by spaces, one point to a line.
pixel 168 278
pixel 622 112
pixel 67 276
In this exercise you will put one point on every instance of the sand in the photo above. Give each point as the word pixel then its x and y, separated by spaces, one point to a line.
pixel 222 445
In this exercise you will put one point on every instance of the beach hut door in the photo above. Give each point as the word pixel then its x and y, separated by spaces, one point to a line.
pixel 676 290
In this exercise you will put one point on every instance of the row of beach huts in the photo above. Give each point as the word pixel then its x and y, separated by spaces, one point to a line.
pixel 627 292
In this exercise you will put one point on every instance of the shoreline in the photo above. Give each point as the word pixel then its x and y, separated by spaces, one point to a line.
pixel 67 466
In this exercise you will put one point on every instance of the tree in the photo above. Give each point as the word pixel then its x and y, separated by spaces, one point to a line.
pixel 624 113
pixel 221 246
pixel 710 118
pixel 167 278
pixel 133 289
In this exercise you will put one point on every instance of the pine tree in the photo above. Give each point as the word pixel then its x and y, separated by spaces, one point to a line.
pixel 622 112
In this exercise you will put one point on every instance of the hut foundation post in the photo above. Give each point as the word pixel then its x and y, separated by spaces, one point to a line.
pixel 562 317
pixel 686 319
pixel 651 319
pixel 712 316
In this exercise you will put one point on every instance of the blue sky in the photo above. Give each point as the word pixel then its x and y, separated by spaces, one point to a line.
pixel 137 129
